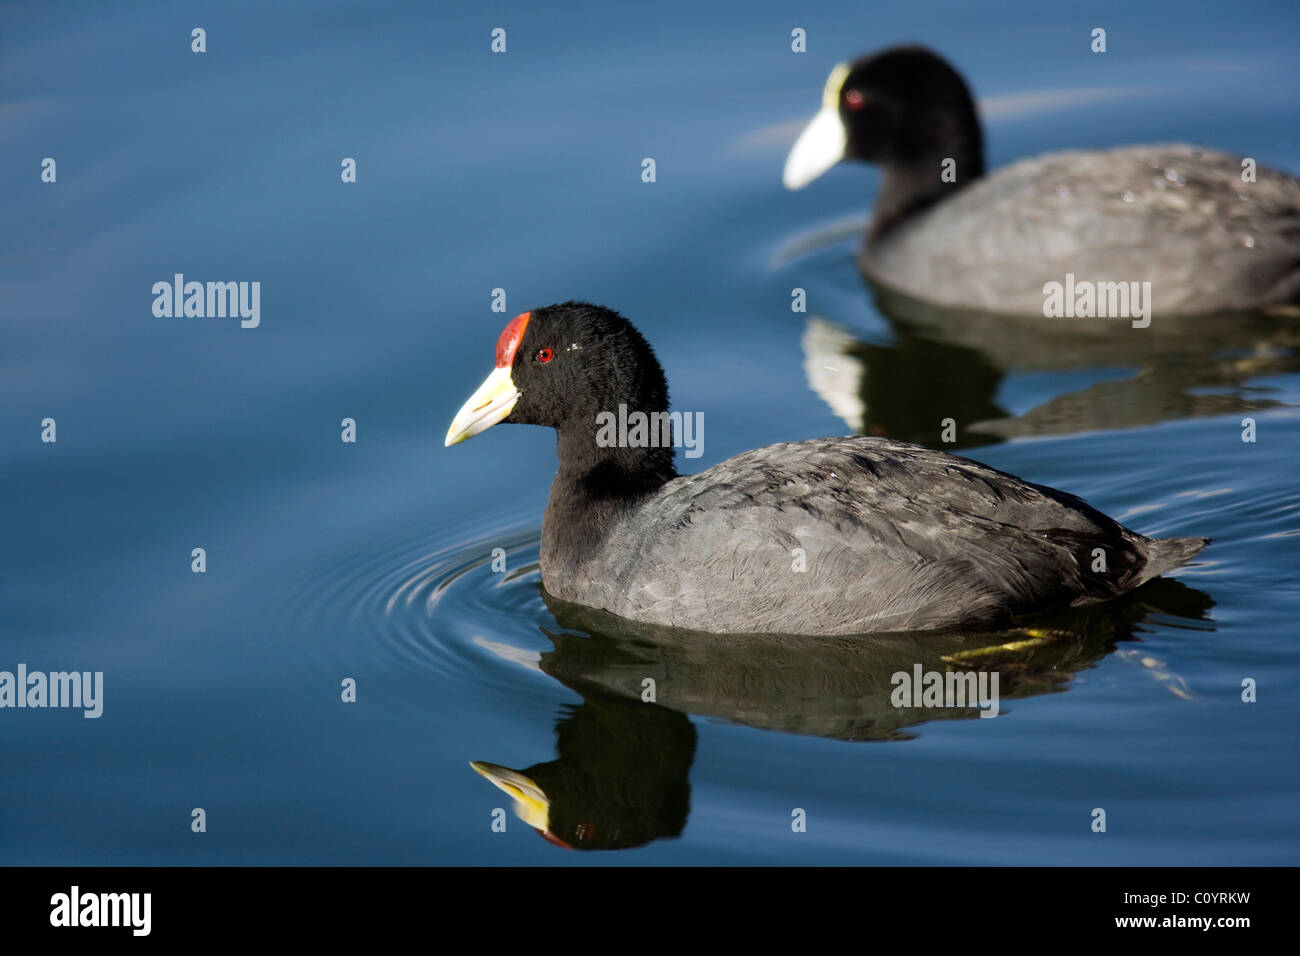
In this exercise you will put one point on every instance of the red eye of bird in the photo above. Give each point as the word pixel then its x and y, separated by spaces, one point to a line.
pixel 854 99
pixel 545 355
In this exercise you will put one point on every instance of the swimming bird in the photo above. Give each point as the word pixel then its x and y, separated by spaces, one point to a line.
pixel 828 536
pixel 1183 218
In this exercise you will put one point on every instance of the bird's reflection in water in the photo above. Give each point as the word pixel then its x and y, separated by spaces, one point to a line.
pixel 621 775
pixel 947 366
pixel 619 780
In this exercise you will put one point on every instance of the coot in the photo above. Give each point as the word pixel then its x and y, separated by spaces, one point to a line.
pixel 828 536
pixel 1177 216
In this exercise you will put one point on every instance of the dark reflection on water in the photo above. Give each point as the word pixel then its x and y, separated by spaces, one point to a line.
pixel 945 366
pixel 620 777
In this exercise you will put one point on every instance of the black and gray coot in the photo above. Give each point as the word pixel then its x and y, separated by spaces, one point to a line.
pixel 1178 216
pixel 828 536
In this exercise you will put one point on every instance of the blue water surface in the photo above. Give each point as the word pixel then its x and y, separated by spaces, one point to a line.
pixel 371 560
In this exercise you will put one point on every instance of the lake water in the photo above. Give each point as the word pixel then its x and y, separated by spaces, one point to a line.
pixel 371 560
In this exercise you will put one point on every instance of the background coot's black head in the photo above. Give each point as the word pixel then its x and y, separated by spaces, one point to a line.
pixel 562 365
pixel 903 107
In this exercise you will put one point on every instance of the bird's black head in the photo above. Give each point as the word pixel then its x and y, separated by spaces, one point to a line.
pixel 904 108
pixel 563 366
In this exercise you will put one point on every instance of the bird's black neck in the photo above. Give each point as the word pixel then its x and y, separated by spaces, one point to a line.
pixel 913 184
pixel 593 487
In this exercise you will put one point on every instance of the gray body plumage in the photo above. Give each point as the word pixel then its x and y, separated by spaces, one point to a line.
pixel 1177 216
pixel 891 537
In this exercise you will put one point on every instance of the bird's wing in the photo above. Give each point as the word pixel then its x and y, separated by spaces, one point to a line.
pixel 863 533
pixel 1177 216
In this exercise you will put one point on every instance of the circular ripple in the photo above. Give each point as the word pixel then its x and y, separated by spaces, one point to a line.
pixel 434 613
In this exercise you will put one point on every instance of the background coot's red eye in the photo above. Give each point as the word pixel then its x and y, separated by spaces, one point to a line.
pixel 854 99
pixel 545 355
